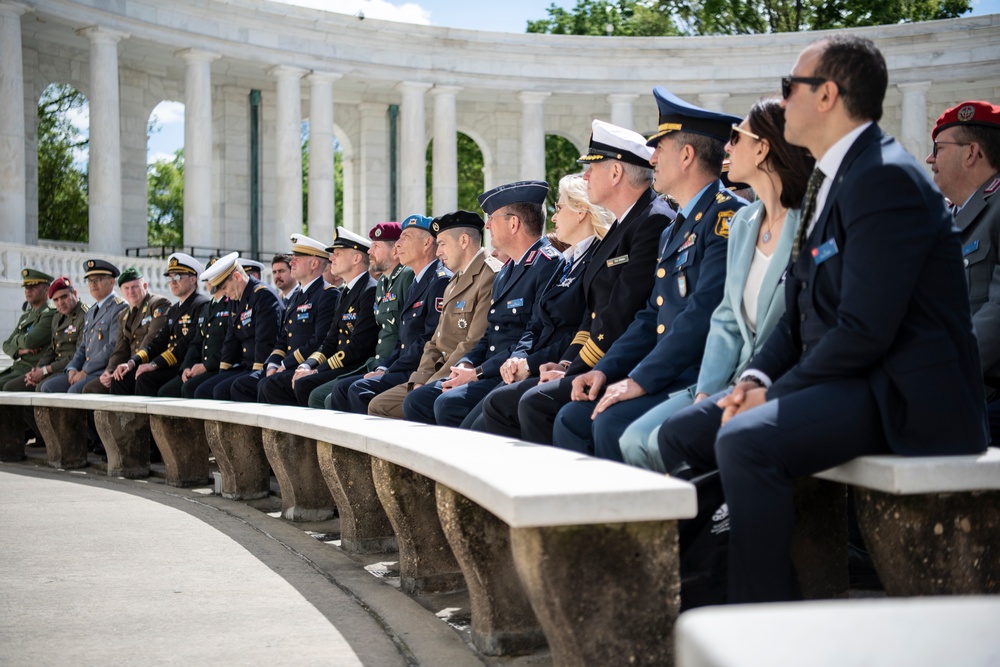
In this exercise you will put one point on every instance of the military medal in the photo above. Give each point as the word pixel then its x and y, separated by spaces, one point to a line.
pixel 682 285
pixel 462 324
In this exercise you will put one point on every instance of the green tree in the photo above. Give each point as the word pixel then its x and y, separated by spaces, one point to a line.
pixel 730 17
pixel 62 186
pixel 560 159
pixel 470 174
pixel 165 197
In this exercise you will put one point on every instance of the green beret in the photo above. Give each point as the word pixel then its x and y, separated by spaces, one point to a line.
pixel 128 275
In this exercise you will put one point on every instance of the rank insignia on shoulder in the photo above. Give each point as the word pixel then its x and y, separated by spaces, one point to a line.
pixel 723 197
pixel 442 272
pixel 615 261
pixel 439 304
pixel 531 258
pixel 722 223
pixel 119 300
pixel 550 251
pixel 992 187
pixel 259 287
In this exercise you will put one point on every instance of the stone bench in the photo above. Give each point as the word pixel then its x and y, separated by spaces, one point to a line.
pixel 916 632
pixel 553 546
pixel 931 524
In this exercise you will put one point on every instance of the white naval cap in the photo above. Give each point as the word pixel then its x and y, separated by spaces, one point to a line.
pixel 303 245
pixel 348 239
pixel 219 270
pixel 609 141
pixel 181 262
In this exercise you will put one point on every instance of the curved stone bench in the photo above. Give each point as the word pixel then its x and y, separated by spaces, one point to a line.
pixel 930 523
pixel 553 546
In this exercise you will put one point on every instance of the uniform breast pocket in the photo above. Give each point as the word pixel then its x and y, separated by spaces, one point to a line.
pixel 684 259
pixel 979 268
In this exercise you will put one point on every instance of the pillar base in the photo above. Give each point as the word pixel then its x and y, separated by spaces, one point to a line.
pixel 606 594
pixel 503 622
pixel 239 453
pixel 126 440
pixel 364 527
pixel 304 494
pixel 426 563
pixel 184 448
pixel 935 543
pixel 65 433
pixel 819 544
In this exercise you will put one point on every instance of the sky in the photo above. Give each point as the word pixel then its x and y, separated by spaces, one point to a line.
pixel 507 16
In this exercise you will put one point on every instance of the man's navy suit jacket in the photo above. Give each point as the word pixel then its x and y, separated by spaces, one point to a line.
pixel 890 305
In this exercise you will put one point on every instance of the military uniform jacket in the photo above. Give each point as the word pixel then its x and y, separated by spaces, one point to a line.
pixel 618 280
pixel 170 344
pixel 556 315
pixel 390 294
pixel 878 293
pixel 663 347
pixel 418 319
pixel 100 335
pixel 33 332
pixel 515 289
pixel 979 225
pixel 66 333
pixel 462 322
pixel 253 328
pixel 138 327
pixel 209 334
pixel 351 338
pixel 305 323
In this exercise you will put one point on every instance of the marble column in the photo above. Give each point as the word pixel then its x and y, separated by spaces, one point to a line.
pixel 445 176
pixel 13 207
pixel 105 181
pixel 533 134
pixel 288 154
pixel 621 109
pixel 915 135
pixel 712 101
pixel 412 150
pixel 321 194
pixel 373 174
pixel 198 182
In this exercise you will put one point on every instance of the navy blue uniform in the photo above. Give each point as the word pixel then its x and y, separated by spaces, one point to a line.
pixel 515 289
pixel 205 348
pixel 418 320
pixel 168 348
pixel 253 327
pixel 662 349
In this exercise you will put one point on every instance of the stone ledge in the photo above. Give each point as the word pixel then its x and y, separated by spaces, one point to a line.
pixel 900 475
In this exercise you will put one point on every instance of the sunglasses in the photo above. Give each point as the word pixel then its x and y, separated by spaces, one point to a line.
pixel 734 137
pixel 787 81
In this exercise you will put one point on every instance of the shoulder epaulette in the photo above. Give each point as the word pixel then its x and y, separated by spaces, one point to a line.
pixel 329 286
pixel 442 272
pixel 723 197
pixel 84 307
pixel 992 187
pixel 119 300
pixel 259 287
pixel 550 251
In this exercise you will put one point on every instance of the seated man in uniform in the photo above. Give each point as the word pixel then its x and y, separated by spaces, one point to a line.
pixel 33 333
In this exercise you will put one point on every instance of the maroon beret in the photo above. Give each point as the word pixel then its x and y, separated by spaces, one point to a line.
pixel 968 113
pixel 62 282
pixel 385 231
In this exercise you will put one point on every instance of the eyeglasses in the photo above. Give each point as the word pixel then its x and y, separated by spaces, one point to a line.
pixel 175 277
pixel 489 218
pixel 938 144
pixel 734 137
pixel 95 279
pixel 787 81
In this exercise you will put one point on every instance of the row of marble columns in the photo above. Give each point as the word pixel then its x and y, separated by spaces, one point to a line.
pixel 199 229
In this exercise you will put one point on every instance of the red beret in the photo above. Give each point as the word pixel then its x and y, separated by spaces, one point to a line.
pixel 385 231
pixel 968 113
pixel 62 282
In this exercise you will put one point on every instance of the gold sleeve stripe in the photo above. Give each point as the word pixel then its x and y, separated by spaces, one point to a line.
pixel 591 354
pixel 225 366
pixel 337 360
pixel 143 356
pixel 280 353
pixel 169 357
pixel 319 357
pixel 581 338
pixel 298 356
pixel 258 367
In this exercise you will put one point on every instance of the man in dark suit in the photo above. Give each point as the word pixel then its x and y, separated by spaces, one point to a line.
pixel 616 283
pixel 418 318
pixel 351 338
pixel 661 351
pixel 875 352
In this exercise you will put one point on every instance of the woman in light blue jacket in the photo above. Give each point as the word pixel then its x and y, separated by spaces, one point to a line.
pixel 760 241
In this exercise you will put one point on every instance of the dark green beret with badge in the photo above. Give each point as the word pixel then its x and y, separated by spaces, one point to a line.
pixel 128 275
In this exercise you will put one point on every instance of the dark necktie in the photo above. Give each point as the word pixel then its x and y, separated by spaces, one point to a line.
pixel 677 224
pixel 808 209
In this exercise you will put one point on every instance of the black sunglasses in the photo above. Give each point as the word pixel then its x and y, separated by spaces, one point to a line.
pixel 787 81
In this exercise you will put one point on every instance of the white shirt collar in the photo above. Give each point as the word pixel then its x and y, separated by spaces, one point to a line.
pixel 354 281
pixel 305 288
pixel 829 164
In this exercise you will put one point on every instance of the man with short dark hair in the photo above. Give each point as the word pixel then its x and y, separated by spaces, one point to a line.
pixel 875 352
pixel 281 276
pixel 33 333
pixel 67 327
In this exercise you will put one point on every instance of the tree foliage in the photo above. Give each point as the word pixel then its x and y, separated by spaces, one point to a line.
pixel 165 201
pixel 63 209
pixel 648 18
pixel 560 159
pixel 470 174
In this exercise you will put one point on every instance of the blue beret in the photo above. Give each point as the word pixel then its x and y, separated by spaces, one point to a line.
pixel 676 115
pixel 528 192
pixel 418 221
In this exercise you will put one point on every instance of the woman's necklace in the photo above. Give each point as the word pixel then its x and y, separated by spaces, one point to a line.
pixel 766 238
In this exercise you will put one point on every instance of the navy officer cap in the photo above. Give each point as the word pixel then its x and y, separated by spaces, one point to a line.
pixel 100 267
pixel 528 192
pixel 457 219
pixel 676 115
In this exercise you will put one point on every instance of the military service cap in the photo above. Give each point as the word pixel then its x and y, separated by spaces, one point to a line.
pixel 128 275
pixel 348 239
pixel 303 245
pixel 100 267
pixel 528 192
pixel 457 219
pixel 418 221
pixel 252 265
pixel 676 115
pixel 609 141
pixel 32 277
pixel 60 283
pixel 385 231
pixel 219 270
pixel 979 113
pixel 181 262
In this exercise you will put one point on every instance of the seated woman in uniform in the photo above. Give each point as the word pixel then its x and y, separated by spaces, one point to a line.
pixel 760 242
